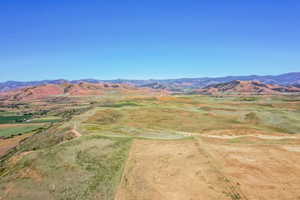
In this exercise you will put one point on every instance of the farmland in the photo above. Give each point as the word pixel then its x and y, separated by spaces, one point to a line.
pixel 155 147
pixel 17 130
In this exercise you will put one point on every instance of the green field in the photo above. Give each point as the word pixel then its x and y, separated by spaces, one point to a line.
pixel 196 114
pixel 51 119
pixel 87 168
pixel 17 130
pixel 13 119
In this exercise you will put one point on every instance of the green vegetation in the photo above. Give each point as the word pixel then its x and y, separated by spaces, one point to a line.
pixel 14 119
pixel 248 99
pixel 252 140
pixel 194 114
pixel 51 119
pixel 17 130
pixel 252 118
pixel 87 168
pixel 120 104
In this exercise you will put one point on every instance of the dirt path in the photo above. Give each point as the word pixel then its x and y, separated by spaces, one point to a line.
pixel 173 170
pixel 76 133
pixel 271 137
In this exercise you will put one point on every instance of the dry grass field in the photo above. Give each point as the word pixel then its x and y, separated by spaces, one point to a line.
pixel 262 168
pixel 205 168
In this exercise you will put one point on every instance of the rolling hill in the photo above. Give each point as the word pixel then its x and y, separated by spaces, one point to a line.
pixel 247 87
pixel 70 89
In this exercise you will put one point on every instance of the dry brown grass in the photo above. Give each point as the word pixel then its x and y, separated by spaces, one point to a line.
pixel 6 144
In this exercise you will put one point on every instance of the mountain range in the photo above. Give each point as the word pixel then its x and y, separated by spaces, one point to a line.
pixel 181 84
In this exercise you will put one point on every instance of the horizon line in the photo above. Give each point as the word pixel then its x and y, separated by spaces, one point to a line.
pixel 148 79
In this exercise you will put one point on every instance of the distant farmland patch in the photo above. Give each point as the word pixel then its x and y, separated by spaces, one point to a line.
pixel 14 119
pixel 17 130
pixel 51 119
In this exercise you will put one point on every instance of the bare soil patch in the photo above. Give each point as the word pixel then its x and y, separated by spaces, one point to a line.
pixel 264 171
pixel 175 170
pixel 76 133
pixel 17 125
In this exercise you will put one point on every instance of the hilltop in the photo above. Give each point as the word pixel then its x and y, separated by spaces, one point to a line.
pixel 247 87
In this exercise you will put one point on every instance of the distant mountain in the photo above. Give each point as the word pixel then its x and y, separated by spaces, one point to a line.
pixel 86 89
pixel 196 83
pixel 296 85
pixel 12 85
pixel 181 84
pixel 247 87
pixel 70 89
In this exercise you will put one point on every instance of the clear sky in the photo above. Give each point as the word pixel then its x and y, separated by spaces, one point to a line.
pixel 141 39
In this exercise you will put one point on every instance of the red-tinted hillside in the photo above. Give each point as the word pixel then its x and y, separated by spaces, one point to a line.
pixel 250 87
pixel 68 89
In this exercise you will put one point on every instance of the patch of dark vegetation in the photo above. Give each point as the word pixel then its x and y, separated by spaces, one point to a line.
pixel 292 99
pixel 248 99
pixel 106 117
pixel 266 105
pixel 207 108
pixel 67 114
pixel 120 104
pixel 16 105
pixel 6 133
pixel 252 118
pixel 10 118
pixel 14 119
pixel 283 128
pixel 59 100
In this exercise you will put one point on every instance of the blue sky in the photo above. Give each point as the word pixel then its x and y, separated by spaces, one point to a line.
pixel 142 39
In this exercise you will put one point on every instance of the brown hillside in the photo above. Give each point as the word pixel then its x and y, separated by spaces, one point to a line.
pixel 250 87
pixel 80 89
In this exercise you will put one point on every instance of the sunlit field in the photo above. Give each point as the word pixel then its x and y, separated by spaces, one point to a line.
pixel 122 147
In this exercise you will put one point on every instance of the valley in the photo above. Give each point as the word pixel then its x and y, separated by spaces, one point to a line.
pixel 150 144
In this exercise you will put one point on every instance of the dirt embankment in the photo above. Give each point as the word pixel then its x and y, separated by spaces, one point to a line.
pixel 76 133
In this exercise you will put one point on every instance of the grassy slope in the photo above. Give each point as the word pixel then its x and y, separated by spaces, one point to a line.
pixel 197 115
pixel 17 130
pixel 86 168
pixel 50 165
